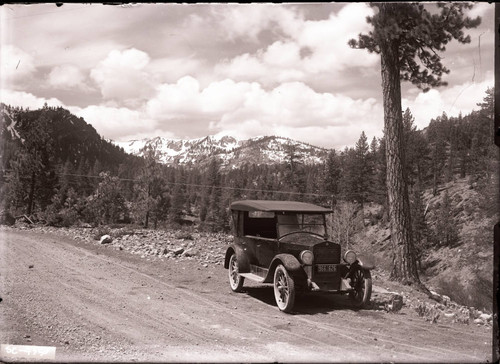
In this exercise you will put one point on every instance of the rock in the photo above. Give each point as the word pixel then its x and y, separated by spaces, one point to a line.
pixel 189 253
pixel 105 239
pixel 485 317
pixel 178 251
pixel 388 301
pixel 478 321
pixel 396 303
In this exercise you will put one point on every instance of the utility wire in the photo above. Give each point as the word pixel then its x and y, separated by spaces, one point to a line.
pixel 202 186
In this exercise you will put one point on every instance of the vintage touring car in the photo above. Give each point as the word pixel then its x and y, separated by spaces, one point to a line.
pixel 286 243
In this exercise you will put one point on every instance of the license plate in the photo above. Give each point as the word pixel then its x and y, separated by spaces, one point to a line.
pixel 326 268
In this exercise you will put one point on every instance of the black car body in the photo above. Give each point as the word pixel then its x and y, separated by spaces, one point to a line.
pixel 286 243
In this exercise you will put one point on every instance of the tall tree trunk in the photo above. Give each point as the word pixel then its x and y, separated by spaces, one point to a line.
pixel 146 223
pixel 32 194
pixel 404 263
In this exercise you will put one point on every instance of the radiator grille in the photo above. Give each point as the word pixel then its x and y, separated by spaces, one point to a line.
pixel 327 253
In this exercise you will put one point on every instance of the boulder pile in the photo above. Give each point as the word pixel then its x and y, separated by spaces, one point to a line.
pixel 446 309
pixel 207 248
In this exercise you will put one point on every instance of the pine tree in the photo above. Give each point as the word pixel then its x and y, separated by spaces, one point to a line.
pixel 295 168
pixel 348 176
pixel 446 229
pixel 419 224
pixel 407 36
pixel 178 197
pixel 212 196
pixel 437 142
pixel 106 204
pixel 361 169
pixel 33 180
pixel 332 174
pixel 150 188
pixel 378 190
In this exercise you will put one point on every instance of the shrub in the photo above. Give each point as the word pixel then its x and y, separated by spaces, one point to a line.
pixel 427 311
pixel 477 293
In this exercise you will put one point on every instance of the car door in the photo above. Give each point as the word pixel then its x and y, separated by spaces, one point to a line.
pixel 266 250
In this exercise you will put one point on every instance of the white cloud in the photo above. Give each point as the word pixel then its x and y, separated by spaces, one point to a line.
pixel 462 98
pixel 309 49
pixel 247 110
pixel 247 21
pixel 175 100
pixel 66 77
pixel 282 54
pixel 168 70
pixel 224 96
pixel 248 70
pixel 327 39
pixel 116 122
pixel 121 75
pixel 297 111
pixel 27 100
pixel 16 65
pixel 480 9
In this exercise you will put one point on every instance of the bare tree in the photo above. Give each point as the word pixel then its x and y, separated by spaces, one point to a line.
pixel 343 223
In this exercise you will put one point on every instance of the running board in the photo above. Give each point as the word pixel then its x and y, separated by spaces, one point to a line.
pixel 253 277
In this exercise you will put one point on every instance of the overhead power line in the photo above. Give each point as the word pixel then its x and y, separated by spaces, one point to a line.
pixel 203 186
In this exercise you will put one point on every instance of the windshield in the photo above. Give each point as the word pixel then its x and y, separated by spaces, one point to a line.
pixel 295 222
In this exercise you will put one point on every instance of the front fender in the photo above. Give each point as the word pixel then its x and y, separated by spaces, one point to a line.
pixel 291 264
pixel 241 257
pixel 366 261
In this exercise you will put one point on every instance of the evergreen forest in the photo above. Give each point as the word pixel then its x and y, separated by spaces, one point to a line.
pixel 57 170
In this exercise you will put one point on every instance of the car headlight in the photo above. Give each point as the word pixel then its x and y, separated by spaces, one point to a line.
pixel 307 257
pixel 350 257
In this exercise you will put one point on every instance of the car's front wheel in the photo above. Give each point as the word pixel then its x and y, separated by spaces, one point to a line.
pixel 235 280
pixel 361 282
pixel 284 289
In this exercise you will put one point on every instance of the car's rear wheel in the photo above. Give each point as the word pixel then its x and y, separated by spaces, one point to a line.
pixel 284 289
pixel 235 279
pixel 361 281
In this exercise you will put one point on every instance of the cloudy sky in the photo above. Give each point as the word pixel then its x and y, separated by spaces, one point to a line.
pixel 187 71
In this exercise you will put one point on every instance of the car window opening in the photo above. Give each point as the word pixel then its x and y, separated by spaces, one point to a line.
pixel 291 223
pixel 260 223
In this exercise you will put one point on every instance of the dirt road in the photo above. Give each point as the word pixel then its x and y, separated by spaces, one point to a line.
pixel 97 303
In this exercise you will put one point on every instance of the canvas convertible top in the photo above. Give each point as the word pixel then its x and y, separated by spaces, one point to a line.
pixel 277 206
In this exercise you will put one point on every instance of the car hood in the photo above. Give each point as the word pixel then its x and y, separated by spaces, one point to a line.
pixel 303 239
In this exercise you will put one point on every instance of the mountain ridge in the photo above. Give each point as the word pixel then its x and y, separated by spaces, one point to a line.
pixel 231 151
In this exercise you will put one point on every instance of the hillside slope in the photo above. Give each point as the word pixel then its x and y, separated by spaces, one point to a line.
pixel 71 138
pixel 463 270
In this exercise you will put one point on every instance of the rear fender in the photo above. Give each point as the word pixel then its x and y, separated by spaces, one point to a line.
pixel 292 265
pixel 241 257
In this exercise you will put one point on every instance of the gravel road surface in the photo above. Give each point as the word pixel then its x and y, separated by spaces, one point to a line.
pixel 95 303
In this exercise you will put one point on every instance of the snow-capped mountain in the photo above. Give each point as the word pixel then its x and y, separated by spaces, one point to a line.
pixel 232 152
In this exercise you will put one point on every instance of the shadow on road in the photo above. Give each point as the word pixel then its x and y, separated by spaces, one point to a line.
pixel 308 303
